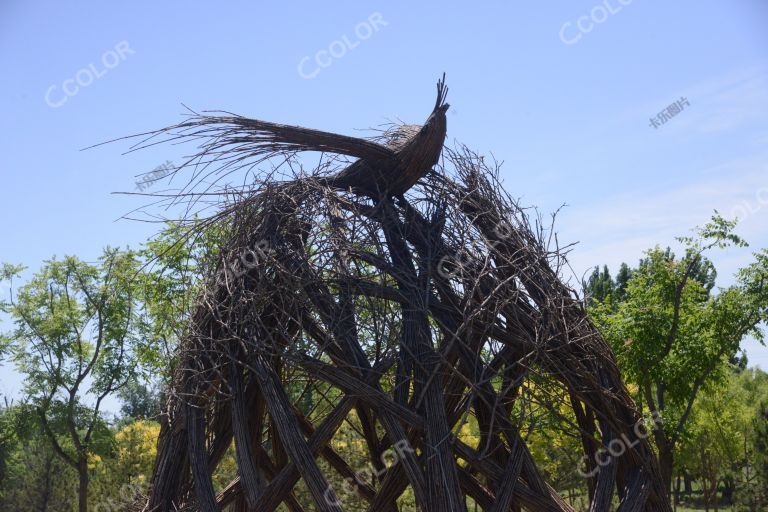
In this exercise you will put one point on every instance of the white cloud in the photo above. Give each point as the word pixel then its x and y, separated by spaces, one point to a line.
pixel 716 105
pixel 730 102
pixel 622 227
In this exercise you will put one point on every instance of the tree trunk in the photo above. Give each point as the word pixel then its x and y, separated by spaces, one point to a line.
pixel 715 501
pixel 729 486
pixel 666 460
pixel 688 484
pixel 82 491
pixel 677 491
pixel 46 491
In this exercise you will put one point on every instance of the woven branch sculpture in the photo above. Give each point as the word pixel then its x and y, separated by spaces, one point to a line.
pixel 403 293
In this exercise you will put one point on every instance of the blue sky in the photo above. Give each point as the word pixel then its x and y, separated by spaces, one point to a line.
pixel 561 91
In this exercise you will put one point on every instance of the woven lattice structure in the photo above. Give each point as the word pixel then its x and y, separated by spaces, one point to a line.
pixel 407 314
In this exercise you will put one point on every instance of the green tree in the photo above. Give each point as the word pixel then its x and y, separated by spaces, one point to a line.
pixel 758 477
pixel 622 279
pixel 76 342
pixel 599 286
pixel 177 261
pixel 712 447
pixel 721 445
pixel 33 477
pixel 140 402
pixel 673 337
pixel 125 473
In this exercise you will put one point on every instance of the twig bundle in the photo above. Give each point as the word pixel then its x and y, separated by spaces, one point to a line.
pixel 409 312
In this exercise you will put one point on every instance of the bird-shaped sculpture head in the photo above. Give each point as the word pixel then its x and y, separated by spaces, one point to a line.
pixel 420 149
pixel 434 130
pixel 398 136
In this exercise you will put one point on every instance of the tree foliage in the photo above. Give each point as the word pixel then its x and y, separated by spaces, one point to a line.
pixel 672 335
pixel 76 341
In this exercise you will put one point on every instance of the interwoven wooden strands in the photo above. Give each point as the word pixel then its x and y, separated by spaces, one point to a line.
pixel 399 318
